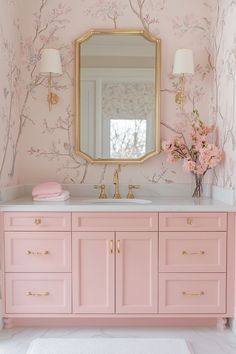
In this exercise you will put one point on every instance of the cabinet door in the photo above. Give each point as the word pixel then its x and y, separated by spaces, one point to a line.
pixel 93 272
pixel 136 272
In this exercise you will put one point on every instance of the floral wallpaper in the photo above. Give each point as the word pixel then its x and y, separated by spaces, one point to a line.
pixel 10 73
pixel 41 142
pixel 224 89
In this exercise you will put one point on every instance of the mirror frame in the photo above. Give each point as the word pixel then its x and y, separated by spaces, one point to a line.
pixel 150 38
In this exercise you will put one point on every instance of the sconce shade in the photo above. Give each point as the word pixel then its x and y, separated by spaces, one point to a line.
pixel 50 62
pixel 183 63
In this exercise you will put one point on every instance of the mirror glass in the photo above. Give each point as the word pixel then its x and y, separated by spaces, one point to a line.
pixel 117 96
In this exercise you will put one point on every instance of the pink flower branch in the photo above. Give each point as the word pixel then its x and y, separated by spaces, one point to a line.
pixel 51 26
pixel 197 153
pixel 106 9
pixel 64 151
pixel 138 8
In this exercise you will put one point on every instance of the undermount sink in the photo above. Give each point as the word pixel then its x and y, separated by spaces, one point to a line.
pixel 118 201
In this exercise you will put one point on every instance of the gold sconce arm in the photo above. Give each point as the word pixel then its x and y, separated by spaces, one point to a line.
pixel 180 97
pixel 50 65
pixel 183 66
pixel 53 98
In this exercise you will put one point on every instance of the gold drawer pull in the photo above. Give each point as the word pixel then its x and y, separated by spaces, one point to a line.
pixel 118 246
pixel 42 253
pixel 37 221
pixel 111 247
pixel 201 293
pixel 189 221
pixel 200 253
pixel 30 293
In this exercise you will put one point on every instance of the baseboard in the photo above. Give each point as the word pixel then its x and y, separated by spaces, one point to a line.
pixel 111 323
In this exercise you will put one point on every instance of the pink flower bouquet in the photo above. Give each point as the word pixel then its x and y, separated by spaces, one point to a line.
pixel 199 155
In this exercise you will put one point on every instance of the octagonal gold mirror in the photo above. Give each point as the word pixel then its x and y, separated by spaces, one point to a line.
pixel 118 74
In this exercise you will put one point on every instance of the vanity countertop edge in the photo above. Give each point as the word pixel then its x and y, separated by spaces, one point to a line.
pixel 162 204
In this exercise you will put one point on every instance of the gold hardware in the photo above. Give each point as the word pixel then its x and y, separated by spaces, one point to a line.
pixel 111 246
pixel 118 246
pixel 113 32
pixel 201 293
pixel 103 194
pixel 38 221
pixel 180 97
pixel 52 97
pixel 130 194
pixel 32 253
pixel 116 183
pixel 30 293
pixel 189 221
pixel 186 253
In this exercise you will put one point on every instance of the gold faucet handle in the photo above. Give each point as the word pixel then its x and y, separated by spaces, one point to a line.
pixel 131 187
pixel 102 188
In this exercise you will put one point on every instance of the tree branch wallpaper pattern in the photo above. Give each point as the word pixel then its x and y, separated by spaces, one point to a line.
pixel 224 89
pixel 36 145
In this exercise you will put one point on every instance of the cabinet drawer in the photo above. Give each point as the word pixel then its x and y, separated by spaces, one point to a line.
pixel 38 293
pixel 192 293
pixel 37 221
pixel 115 221
pixel 193 221
pixel 192 251
pixel 38 251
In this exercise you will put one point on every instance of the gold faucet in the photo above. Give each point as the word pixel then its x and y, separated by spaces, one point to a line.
pixel 103 194
pixel 130 194
pixel 116 183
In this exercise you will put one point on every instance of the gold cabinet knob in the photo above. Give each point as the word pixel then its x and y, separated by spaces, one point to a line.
pixel 37 221
pixel 189 221
pixel 131 187
pixel 102 188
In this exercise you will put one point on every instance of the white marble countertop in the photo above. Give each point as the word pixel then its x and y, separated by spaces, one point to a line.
pixel 162 204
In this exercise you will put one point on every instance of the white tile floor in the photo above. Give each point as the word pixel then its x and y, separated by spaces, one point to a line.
pixel 203 341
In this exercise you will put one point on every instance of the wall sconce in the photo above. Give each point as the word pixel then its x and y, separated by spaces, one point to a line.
pixel 50 65
pixel 183 66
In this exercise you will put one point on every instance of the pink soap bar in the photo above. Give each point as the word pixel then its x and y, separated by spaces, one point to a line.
pixel 47 189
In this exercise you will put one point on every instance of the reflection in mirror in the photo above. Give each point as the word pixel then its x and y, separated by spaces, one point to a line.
pixel 118 100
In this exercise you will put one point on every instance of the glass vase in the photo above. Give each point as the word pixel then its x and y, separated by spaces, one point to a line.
pixel 198 188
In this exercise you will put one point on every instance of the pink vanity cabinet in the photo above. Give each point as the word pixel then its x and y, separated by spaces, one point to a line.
pixel 193 263
pixel 114 269
pixel 37 263
pixel 118 266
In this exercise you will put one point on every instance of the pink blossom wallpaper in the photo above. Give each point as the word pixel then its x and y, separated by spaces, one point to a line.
pixel 224 89
pixel 41 142
pixel 10 73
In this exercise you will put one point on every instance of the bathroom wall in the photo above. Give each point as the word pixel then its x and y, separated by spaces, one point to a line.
pixel 224 97
pixel 224 82
pixel 9 95
pixel 46 139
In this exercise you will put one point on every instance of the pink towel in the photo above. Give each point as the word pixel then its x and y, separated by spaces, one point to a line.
pixel 60 198
pixel 47 189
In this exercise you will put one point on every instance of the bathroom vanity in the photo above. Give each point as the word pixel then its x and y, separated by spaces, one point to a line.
pixel 104 262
